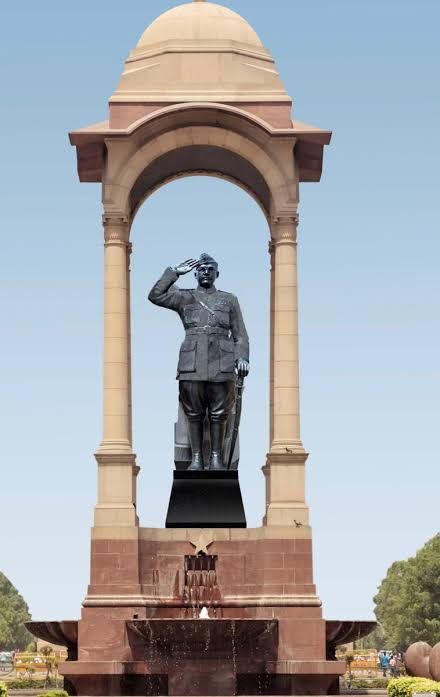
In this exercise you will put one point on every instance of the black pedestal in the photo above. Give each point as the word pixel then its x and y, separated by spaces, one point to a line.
pixel 206 500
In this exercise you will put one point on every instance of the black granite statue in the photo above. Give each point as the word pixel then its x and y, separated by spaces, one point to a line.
pixel 214 352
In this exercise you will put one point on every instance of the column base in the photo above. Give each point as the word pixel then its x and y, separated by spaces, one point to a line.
pixel 109 447
pixel 285 489
pixel 287 447
pixel 110 515
pixel 117 472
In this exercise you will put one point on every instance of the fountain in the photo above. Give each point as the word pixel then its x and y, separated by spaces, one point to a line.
pixel 192 656
pixel 204 657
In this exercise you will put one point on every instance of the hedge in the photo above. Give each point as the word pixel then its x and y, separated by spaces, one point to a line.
pixel 404 687
pixel 54 693
pixel 35 684
pixel 370 684
pixel 3 690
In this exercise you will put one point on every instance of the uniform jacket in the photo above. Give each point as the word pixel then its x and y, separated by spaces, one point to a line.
pixel 214 338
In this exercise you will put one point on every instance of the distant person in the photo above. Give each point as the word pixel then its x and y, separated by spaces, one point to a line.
pixel 384 663
pixel 393 666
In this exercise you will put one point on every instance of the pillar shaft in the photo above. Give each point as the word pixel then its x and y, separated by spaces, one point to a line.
pixel 116 398
pixel 272 338
pixel 116 462
pixel 130 399
pixel 284 470
pixel 284 302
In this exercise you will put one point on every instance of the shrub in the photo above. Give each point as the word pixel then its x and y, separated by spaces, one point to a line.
pixel 370 684
pixel 3 690
pixel 404 687
pixel 23 684
pixel 38 684
pixel 54 693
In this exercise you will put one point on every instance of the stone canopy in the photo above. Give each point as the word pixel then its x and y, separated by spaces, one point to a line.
pixel 200 54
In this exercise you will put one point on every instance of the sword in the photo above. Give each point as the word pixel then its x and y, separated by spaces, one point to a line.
pixel 238 404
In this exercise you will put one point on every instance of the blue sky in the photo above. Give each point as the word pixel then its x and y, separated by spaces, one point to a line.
pixel 369 289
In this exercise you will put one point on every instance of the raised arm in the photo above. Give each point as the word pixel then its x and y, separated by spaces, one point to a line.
pixel 162 293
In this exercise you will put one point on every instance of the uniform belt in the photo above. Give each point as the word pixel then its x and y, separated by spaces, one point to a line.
pixel 207 330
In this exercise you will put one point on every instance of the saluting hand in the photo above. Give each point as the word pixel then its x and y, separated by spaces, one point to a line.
pixel 186 267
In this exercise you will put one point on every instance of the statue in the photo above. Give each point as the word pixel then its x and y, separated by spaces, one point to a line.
pixel 214 352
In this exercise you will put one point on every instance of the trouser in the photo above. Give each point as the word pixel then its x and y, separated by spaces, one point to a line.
pixel 215 398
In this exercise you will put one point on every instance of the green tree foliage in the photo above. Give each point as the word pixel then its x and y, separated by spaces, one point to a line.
pixel 375 640
pixel 408 601
pixel 13 613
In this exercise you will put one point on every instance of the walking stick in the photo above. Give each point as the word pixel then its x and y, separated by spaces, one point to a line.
pixel 238 403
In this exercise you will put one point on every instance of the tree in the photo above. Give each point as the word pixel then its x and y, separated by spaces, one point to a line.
pixel 375 640
pixel 408 600
pixel 47 653
pixel 13 613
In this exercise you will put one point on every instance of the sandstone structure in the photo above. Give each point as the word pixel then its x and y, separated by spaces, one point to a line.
pixel 200 94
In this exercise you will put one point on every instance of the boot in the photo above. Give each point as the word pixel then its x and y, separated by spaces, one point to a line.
pixel 196 440
pixel 217 439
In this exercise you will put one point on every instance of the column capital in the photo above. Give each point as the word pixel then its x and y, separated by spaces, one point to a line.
pixel 284 230
pixel 116 228
pixel 287 218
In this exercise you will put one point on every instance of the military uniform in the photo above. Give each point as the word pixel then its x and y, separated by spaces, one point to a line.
pixel 215 333
pixel 215 338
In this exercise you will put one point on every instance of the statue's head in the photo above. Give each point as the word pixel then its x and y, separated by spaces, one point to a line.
pixel 207 271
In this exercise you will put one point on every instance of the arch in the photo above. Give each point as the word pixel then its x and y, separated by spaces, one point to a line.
pixel 184 141
pixel 193 160
pixel 205 112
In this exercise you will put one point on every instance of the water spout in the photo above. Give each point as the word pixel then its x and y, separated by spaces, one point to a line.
pixel 204 614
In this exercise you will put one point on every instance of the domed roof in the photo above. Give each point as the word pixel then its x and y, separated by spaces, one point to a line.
pixel 200 52
pixel 200 21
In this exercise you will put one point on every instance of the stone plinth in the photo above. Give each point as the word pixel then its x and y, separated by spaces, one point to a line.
pixel 266 634
pixel 206 499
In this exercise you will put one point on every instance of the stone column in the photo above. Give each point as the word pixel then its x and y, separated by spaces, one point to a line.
pixel 116 461
pixel 284 469
pixel 272 337
pixel 130 403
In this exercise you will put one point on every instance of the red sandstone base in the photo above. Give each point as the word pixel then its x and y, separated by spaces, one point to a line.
pixel 140 632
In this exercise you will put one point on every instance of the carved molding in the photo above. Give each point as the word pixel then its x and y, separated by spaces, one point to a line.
pixel 226 601
pixel 111 459
pixel 116 228
pixel 284 229
pixel 285 458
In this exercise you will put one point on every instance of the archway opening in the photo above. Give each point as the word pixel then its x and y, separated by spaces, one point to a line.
pixel 188 217
pixel 201 159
